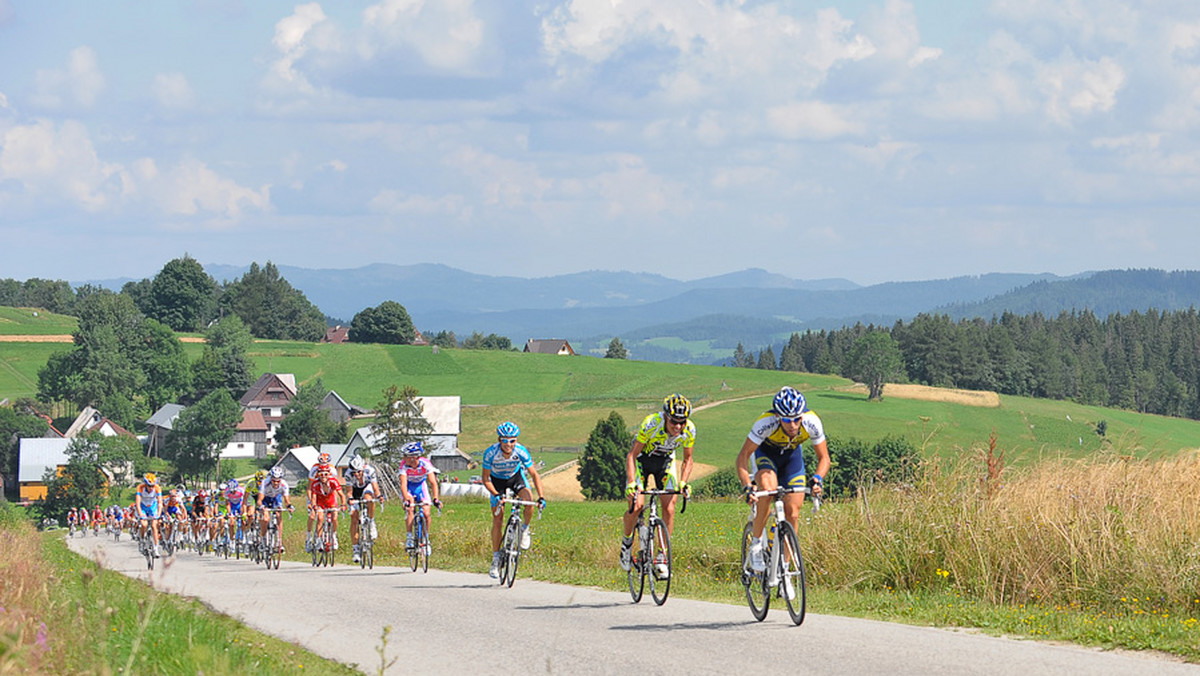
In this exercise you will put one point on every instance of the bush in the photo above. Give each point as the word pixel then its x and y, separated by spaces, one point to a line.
pixel 855 463
pixel 722 483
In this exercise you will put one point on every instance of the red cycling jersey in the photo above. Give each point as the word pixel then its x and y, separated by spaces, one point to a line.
pixel 325 492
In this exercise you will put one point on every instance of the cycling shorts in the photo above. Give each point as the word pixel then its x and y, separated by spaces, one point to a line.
pixel 150 510
pixel 661 467
pixel 175 510
pixel 272 502
pixel 515 482
pixel 420 493
pixel 326 501
pixel 235 509
pixel 788 466
pixel 357 492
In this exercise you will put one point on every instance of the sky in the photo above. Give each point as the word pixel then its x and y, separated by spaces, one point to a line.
pixel 871 140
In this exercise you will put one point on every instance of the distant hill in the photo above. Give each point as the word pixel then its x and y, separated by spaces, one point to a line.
pixel 1104 293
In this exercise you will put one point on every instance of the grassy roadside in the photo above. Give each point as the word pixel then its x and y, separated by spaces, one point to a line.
pixel 60 613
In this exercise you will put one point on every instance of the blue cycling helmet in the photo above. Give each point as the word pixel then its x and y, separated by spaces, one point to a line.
pixel 233 483
pixel 789 403
pixel 412 448
pixel 508 430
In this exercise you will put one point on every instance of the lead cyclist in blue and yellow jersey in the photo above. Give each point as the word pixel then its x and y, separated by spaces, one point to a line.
pixel 775 443
pixel 653 455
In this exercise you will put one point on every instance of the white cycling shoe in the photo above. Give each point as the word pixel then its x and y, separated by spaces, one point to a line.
pixel 525 538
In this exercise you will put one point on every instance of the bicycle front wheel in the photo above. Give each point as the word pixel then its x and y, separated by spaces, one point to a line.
pixel 660 571
pixel 791 573
pixel 423 545
pixel 511 553
pixel 757 593
pixel 414 552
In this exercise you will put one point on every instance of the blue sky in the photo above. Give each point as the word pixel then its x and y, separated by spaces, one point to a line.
pixel 872 140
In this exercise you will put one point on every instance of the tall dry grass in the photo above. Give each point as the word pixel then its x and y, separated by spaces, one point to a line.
pixel 1087 533
pixel 25 647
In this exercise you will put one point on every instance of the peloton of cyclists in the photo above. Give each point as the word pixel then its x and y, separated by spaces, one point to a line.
pixel 360 483
pixel 508 465
pixel 417 472
pixel 659 436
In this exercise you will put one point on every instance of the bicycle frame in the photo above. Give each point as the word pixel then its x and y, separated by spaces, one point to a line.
pixel 510 552
pixel 783 575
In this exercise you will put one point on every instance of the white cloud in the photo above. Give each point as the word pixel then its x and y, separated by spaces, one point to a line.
pixel 389 201
pixel 79 82
pixel 173 91
pixel 501 182
pixel 447 35
pixel 59 163
pixel 1072 86
pixel 811 120
pixel 305 29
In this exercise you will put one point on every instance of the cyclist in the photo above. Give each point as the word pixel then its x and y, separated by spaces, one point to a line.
pixel 272 494
pixel 325 493
pixel 72 518
pixel 323 465
pixel 116 515
pixel 235 500
pixel 97 519
pixel 148 499
pixel 175 511
pixel 415 472
pixel 775 443
pixel 252 495
pixel 507 464
pixel 83 519
pixel 199 513
pixel 653 455
pixel 360 483
pixel 218 511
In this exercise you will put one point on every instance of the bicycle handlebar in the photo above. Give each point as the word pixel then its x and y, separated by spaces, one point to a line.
pixel 784 490
pixel 659 491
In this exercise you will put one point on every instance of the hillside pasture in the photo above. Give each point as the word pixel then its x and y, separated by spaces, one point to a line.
pixel 34 321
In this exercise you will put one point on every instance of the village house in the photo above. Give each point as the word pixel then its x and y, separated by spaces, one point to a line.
pixel 553 346
pixel 250 438
pixel 269 395
pixel 158 426
pixel 339 409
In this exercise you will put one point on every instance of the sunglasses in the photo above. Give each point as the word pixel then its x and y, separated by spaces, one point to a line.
pixel 789 420
pixel 508 440
pixel 677 421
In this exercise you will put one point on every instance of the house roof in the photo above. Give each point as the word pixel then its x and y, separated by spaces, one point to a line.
pixel 338 401
pixel 38 455
pixel 307 455
pixel 252 420
pixel 336 334
pixel 266 382
pixel 83 422
pixel 165 416
pixel 551 346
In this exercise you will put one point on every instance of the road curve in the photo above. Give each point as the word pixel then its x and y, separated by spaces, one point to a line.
pixel 463 623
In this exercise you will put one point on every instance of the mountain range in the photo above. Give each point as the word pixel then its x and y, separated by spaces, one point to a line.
pixel 702 320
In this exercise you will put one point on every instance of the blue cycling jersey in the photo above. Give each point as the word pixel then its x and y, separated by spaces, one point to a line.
pixel 505 468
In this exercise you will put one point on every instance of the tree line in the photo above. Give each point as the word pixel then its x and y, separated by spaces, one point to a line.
pixel 1144 361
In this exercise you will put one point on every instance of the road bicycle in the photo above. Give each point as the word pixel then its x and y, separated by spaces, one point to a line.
pixel 651 555
pixel 418 553
pixel 146 541
pixel 784 570
pixel 510 544
pixel 270 546
pixel 366 539
pixel 323 543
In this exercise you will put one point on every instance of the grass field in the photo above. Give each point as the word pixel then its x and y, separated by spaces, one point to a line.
pixel 32 321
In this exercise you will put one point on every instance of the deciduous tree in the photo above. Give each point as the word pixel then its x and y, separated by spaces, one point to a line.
pixel 602 466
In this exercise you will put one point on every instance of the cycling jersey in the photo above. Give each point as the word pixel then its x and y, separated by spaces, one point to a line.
pixel 780 454
pixel 325 492
pixel 368 477
pixel 502 467
pixel 233 500
pixel 416 477
pixel 150 500
pixel 652 434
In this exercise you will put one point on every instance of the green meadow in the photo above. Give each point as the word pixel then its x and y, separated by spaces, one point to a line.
pixel 23 321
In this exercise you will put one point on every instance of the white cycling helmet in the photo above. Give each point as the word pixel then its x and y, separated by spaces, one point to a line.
pixel 277 472
pixel 357 464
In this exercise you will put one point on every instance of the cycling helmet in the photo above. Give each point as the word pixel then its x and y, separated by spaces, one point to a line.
pixel 260 475
pixel 677 405
pixel 223 487
pixel 233 483
pixel 412 448
pixel 149 479
pixel 202 493
pixel 789 403
pixel 323 458
pixel 357 463
pixel 277 472
pixel 508 430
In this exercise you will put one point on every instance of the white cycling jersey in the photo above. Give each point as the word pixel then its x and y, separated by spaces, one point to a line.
pixel 267 490
pixel 367 477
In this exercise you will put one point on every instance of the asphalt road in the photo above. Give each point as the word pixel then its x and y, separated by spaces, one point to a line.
pixel 463 623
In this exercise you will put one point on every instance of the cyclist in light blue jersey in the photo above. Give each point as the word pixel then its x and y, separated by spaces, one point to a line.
pixel 508 465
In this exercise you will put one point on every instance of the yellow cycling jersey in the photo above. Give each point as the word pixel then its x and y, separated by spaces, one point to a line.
pixel 652 434
pixel 769 435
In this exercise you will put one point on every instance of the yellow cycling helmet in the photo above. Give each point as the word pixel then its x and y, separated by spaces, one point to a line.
pixel 150 479
pixel 677 405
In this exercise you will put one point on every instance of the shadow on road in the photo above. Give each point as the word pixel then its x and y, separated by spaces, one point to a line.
pixel 574 606
pixel 676 626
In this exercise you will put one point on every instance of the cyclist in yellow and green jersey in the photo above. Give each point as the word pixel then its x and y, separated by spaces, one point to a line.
pixel 653 455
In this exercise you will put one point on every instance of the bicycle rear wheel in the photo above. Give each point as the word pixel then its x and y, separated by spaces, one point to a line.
pixel 791 570
pixel 660 549
pixel 637 574
pixel 423 545
pixel 414 552
pixel 757 593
